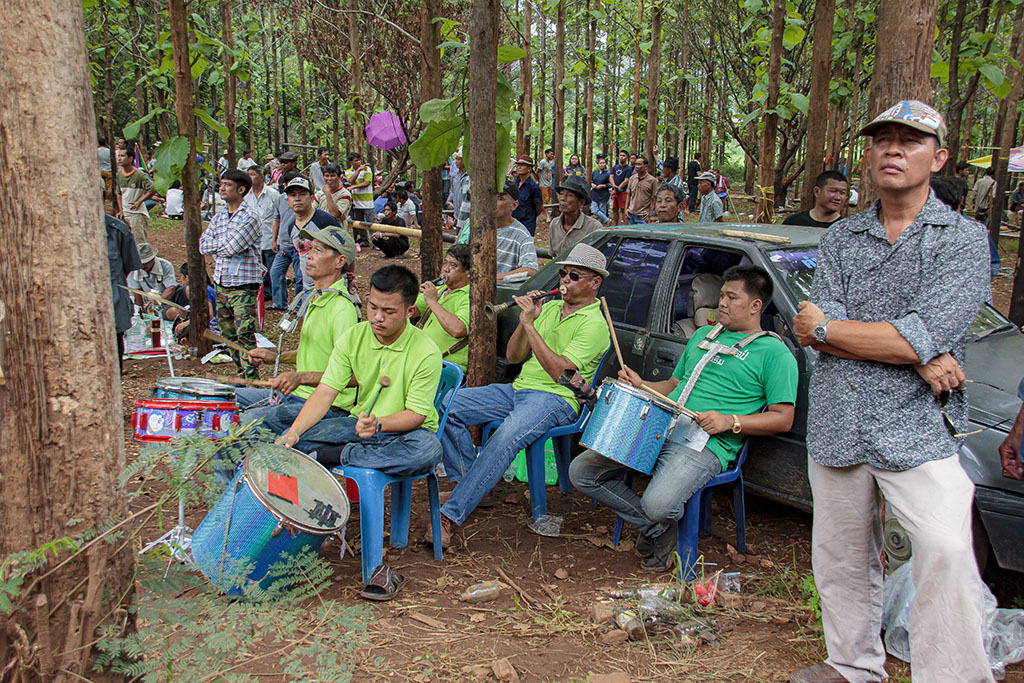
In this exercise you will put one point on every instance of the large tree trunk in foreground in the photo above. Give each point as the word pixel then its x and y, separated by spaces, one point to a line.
pixel 60 398
pixel 766 168
pixel 903 64
pixel 817 109
pixel 431 244
pixel 483 64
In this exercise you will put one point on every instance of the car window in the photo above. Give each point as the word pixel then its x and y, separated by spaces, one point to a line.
pixel 697 287
pixel 632 276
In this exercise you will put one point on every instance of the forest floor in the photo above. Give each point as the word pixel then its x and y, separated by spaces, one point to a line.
pixel 543 627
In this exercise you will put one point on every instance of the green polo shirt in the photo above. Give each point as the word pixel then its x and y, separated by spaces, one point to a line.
pixel 455 301
pixel 582 337
pixel 412 362
pixel 329 316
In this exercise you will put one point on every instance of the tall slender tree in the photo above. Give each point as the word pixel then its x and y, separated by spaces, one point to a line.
pixel 653 75
pixel 766 168
pixel 431 243
pixel 818 106
pixel 230 82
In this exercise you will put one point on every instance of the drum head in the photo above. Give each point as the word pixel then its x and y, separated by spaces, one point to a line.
pixel 296 489
pixel 173 383
pixel 207 387
pixel 640 393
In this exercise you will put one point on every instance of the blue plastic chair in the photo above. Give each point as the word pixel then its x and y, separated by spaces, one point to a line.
pixel 535 454
pixel 371 484
pixel 697 515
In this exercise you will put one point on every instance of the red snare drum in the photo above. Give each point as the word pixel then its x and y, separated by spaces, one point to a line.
pixel 159 420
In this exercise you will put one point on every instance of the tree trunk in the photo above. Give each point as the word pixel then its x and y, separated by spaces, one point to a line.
pixel 276 93
pixel 766 169
pixel 431 243
pixel 356 81
pixel 335 139
pixel 749 163
pixel 61 420
pixel 140 93
pixel 523 143
pixel 653 74
pixel 588 137
pixel 705 127
pixel 303 137
pixel 230 84
pixel 557 138
pixel 108 105
pixel 817 108
pixel 959 101
pixel 634 139
pixel 158 93
pixel 542 101
pixel 484 21
pixel 683 66
pixel 903 63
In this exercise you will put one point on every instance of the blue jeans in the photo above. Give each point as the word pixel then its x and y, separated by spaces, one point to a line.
pixel 599 210
pixel 995 261
pixel 636 220
pixel 527 415
pixel 679 473
pixel 279 279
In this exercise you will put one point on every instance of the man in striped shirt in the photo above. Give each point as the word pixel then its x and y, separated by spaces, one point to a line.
pixel 233 237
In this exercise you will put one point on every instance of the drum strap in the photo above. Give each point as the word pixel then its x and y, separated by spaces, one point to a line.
pixel 713 348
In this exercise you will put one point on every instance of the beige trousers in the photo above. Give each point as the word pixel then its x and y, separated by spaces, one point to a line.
pixel 933 503
pixel 139 224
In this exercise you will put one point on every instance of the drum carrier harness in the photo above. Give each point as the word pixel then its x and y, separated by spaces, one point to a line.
pixel 713 348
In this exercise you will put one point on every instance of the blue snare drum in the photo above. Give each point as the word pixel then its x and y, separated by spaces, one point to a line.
pixel 629 425
pixel 280 501
pixel 193 388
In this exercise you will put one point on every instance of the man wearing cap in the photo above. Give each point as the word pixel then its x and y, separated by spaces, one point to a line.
pixel 600 190
pixel 360 179
pixel 531 201
pixel 328 315
pixel 444 310
pixel 156 275
pixel 261 201
pixel 567 335
pixel 284 250
pixel 287 162
pixel 711 210
pixel 895 289
pixel 233 237
pixel 571 224
pixel 642 188
pixel 299 192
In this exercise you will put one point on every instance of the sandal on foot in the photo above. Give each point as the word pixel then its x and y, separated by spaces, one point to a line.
pixel 384 584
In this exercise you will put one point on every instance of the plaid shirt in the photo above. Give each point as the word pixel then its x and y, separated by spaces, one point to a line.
pixel 234 239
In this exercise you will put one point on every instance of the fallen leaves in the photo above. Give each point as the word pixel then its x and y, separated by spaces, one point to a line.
pixel 428 621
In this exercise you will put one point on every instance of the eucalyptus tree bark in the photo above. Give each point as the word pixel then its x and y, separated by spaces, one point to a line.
pixel 303 137
pixel 61 419
pixel 634 135
pixel 356 82
pixel 587 153
pixel 276 92
pixel 1006 123
pixel 706 109
pixel 903 63
pixel 766 153
pixel 484 21
pixel 184 106
pixel 526 85
pixel 818 106
pixel 431 243
pixel 542 100
pixel 653 75
pixel 230 83
pixel 557 141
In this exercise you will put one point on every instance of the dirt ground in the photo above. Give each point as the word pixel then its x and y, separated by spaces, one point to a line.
pixel 543 624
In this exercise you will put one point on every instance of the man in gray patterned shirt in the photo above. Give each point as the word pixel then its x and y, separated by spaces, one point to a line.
pixel 895 290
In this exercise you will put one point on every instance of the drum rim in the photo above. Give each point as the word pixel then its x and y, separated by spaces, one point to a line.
pixel 200 386
pixel 264 499
pixel 647 396
pixel 189 403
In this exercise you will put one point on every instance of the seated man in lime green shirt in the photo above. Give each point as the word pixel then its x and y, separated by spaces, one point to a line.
pixel 444 310
pixel 570 334
pixel 394 428
pixel 327 315
pixel 746 369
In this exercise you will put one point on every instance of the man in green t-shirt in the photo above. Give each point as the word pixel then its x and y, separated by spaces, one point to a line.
pixel 392 429
pixel 444 310
pixel 568 335
pixel 744 373
pixel 328 315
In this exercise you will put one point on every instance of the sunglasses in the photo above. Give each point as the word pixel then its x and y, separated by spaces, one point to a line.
pixel 573 275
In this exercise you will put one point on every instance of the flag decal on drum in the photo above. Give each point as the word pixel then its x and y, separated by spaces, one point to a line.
pixel 323 514
pixel 283 486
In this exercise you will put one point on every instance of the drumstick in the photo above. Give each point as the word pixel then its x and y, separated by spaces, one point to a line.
pixel 241 380
pixel 666 398
pixel 151 295
pixel 214 337
pixel 611 329
pixel 385 382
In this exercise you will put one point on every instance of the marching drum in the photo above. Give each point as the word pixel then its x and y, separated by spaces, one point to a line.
pixel 162 419
pixel 280 501
pixel 194 388
pixel 629 425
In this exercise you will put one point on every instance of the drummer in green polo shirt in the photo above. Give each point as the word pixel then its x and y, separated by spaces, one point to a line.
pixel 398 436
pixel 326 316
pixel 552 338
pixel 444 310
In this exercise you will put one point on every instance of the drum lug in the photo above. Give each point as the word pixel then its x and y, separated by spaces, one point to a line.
pixel 643 413
pixel 215 422
pixel 177 420
pixel 143 421
pixel 277 529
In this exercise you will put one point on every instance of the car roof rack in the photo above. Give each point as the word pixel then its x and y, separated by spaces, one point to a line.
pixel 761 236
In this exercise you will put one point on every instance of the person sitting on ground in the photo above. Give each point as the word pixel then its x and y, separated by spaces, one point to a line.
pixel 156 275
pixel 727 395
pixel 327 314
pixel 711 210
pixel 571 224
pixel 516 251
pixel 334 197
pixel 560 336
pixel 830 192
pixel 174 203
pixel 444 310
pixel 390 244
pixel 406 208
pixel 670 201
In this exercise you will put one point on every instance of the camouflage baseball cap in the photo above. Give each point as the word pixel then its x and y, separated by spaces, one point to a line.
pixel 336 238
pixel 913 113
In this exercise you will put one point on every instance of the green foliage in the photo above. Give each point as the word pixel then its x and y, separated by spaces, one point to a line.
pixel 510 53
pixel 437 142
pixel 168 161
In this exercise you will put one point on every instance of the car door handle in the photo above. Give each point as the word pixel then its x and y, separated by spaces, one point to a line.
pixel 665 357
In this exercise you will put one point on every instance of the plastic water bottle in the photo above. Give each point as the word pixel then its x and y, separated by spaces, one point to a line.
pixel 481 592
pixel 631 623
pixel 510 472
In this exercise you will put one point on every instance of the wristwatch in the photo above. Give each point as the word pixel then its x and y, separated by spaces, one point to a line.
pixel 821 330
pixel 736 426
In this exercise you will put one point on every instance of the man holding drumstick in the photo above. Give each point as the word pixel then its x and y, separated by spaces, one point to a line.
pixel 745 370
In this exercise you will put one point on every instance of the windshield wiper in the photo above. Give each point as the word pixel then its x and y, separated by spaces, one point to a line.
pixel 1001 328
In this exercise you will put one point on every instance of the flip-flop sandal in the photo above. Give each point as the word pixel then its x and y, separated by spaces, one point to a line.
pixel 384 584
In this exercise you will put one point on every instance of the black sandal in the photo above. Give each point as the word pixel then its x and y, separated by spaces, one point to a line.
pixel 384 584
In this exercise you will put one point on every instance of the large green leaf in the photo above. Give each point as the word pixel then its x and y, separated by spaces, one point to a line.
pixel 993 74
pixel 213 123
pixel 510 53
pixel 439 110
pixel 505 99
pixel 436 143
pixel 131 131
pixel 793 36
pixel 800 102
pixel 940 70
pixel 168 160
pixel 502 152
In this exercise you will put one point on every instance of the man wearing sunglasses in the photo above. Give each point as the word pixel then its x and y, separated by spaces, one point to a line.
pixel 552 338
